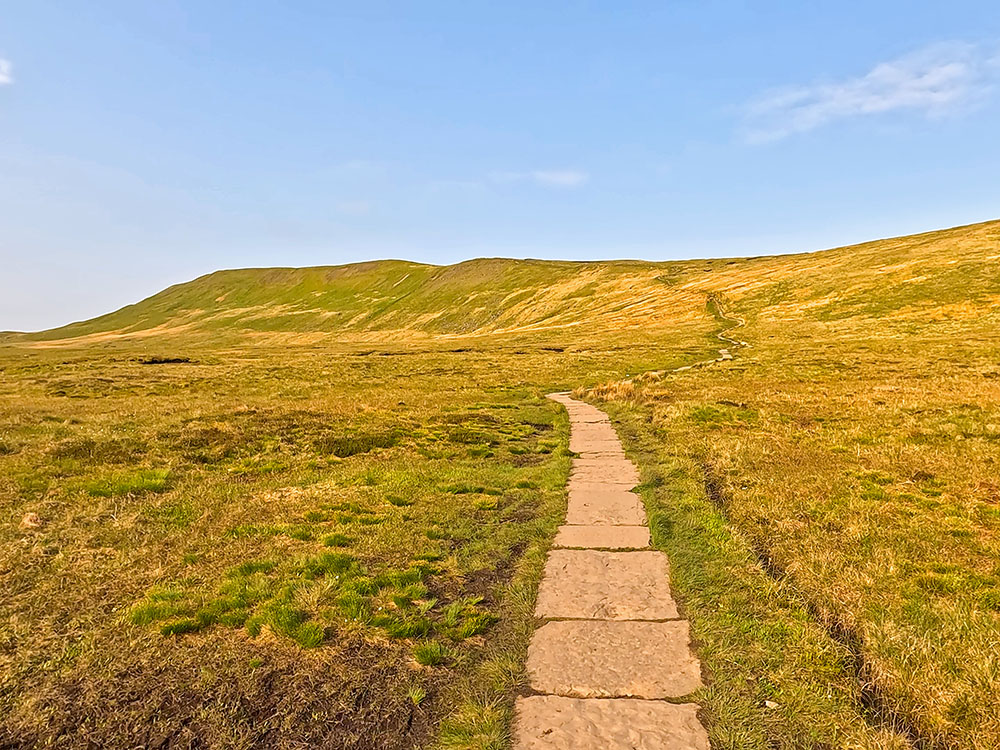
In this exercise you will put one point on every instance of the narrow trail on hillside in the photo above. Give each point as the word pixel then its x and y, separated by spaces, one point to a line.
pixel 611 665
pixel 726 353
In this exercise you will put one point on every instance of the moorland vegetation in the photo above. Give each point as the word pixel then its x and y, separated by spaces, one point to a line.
pixel 282 507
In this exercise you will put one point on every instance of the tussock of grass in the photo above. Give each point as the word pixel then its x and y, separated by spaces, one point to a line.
pixel 120 484
pixel 248 568
pixel 399 625
pixel 430 653
pixel 309 635
pixel 154 610
pixel 330 564
pixel 180 627
pixel 337 540
pixel 470 489
pixel 354 605
pixel 354 445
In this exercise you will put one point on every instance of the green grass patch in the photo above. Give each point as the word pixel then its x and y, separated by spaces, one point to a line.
pixel 180 627
pixel 337 540
pixel 354 445
pixel 120 484
pixel 430 653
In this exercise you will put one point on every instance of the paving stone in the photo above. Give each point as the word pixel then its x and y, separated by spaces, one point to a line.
pixel 578 483
pixel 618 471
pixel 593 430
pixel 588 446
pixel 592 416
pixel 579 411
pixel 551 722
pixel 594 584
pixel 603 505
pixel 603 537
pixel 597 448
pixel 613 642
pixel 589 416
pixel 601 659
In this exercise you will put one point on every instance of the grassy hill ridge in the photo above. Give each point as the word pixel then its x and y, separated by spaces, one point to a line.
pixel 471 297
pixel 404 299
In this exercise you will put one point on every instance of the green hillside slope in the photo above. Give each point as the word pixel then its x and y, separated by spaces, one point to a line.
pixel 488 296
pixel 473 297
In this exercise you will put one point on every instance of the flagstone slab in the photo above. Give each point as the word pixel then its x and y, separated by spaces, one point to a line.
pixel 603 537
pixel 579 484
pixel 605 470
pixel 552 722
pixel 594 431
pixel 579 411
pixel 588 416
pixel 593 584
pixel 602 430
pixel 600 505
pixel 599 659
pixel 597 448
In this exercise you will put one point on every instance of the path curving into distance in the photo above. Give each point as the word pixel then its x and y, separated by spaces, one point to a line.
pixel 611 664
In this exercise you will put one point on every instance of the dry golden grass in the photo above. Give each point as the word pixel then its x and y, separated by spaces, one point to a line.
pixel 258 546
pixel 281 541
pixel 854 449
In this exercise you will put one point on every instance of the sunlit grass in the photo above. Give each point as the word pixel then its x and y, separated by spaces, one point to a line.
pixel 331 511
pixel 129 483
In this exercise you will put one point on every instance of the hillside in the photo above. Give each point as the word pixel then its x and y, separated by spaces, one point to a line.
pixel 847 460
pixel 950 269
pixel 411 299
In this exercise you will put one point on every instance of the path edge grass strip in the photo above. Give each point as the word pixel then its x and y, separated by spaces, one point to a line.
pixel 484 699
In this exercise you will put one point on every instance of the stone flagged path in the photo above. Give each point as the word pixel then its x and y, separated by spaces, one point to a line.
pixel 610 666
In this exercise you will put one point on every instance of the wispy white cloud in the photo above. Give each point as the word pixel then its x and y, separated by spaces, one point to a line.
pixel 557 178
pixel 939 80
pixel 6 72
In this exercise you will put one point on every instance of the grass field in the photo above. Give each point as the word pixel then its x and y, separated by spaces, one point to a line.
pixel 309 507
pixel 844 471
pixel 270 546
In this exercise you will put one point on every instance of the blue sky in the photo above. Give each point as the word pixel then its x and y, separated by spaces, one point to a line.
pixel 145 143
